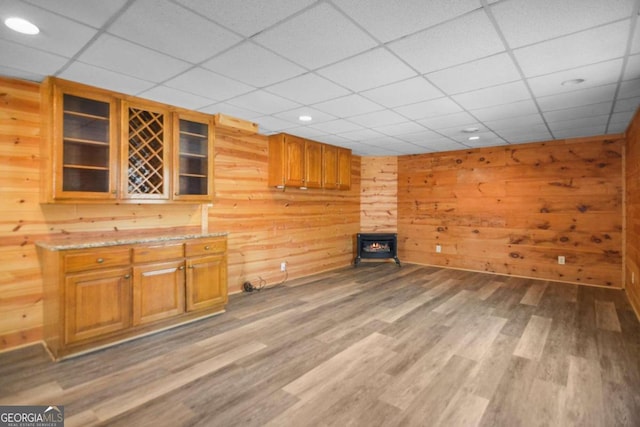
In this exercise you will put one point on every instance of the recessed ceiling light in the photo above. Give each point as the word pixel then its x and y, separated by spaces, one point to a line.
pixel 22 26
pixel 572 82
pixel 473 138
pixel 470 130
pixel 305 118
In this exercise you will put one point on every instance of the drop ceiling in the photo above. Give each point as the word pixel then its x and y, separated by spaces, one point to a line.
pixel 381 77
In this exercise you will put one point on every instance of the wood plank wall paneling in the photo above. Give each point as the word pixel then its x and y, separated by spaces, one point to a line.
pixel 514 210
pixel 313 230
pixel 379 194
pixel 632 212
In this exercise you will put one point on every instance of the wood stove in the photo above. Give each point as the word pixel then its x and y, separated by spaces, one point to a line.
pixel 377 246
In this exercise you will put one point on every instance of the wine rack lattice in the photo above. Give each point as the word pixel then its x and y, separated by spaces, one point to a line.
pixel 146 156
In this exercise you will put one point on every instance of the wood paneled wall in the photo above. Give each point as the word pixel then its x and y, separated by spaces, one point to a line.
pixel 311 230
pixel 379 194
pixel 632 212
pixel 515 209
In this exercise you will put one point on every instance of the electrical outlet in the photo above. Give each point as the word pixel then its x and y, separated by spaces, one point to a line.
pixel 561 260
pixel 438 248
pixel 283 266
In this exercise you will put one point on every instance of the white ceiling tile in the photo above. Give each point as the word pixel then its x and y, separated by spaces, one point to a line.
pixel 306 132
pixel 206 83
pixel 593 75
pixel 584 122
pixel 361 134
pixel 578 112
pixel 462 137
pixel 371 150
pixel 520 122
pixel 432 108
pixel 580 132
pixel 399 129
pixel 628 104
pixel 632 70
pixel 491 71
pixel 263 102
pixel 308 89
pixel 576 50
pixel 381 68
pixel 524 21
pixel 618 127
pixel 347 106
pixel 378 118
pixel 337 140
pixel 231 110
pixel 388 21
pixel 176 97
pixel 489 140
pixel 577 98
pixel 467 38
pixel 424 136
pixel 30 61
pixel 515 109
pixel 247 17
pixel 496 95
pixel 317 37
pixel 635 42
pixel 273 124
pixel 20 74
pixel 240 63
pixel 337 126
pixel 172 30
pixel 294 116
pixel 58 35
pixel 439 144
pixel 442 122
pixel 91 12
pixel 107 79
pixel 624 117
pixel 520 136
pixel 127 58
pixel 402 93
pixel 629 89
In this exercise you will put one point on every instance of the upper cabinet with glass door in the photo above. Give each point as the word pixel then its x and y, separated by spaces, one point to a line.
pixel 193 157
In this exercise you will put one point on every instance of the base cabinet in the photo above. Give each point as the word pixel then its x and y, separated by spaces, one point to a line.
pixel 102 295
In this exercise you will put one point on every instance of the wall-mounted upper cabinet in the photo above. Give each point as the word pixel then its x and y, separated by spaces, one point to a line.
pixel 100 146
pixel 302 163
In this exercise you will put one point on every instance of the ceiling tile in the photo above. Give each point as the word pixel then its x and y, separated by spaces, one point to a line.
pixel 347 106
pixel 337 126
pixel 58 35
pixel 317 37
pixel 248 17
pixel 263 102
pixel 308 89
pixel 423 136
pixel 457 134
pixel 576 50
pixel 514 109
pixel 496 95
pixel 127 58
pixel 486 140
pixel 378 118
pixel 628 104
pixel 15 73
pixel 464 39
pixel 632 70
pixel 381 68
pixel 206 83
pixel 273 124
pixel 437 143
pixel 107 79
pixel 387 21
pixel 593 75
pixel 578 112
pixel 442 122
pixel 316 115
pixel 337 140
pixel 623 118
pixel 577 98
pixel 240 62
pixel 524 21
pixel 520 122
pixel 432 108
pixel 635 41
pixel 361 134
pixel 402 93
pixel 580 132
pixel 172 30
pixel 618 127
pixel 579 123
pixel 400 129
pixel 176 98
pixel 306 132
pixel 91 12
pixel 517 136
pixel 491 71
pixel 30 61
pixel 231 110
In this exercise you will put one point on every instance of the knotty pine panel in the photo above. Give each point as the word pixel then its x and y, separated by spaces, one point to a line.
pixel 514 210
pixel 311 230
pixel 632 212
pixel 379 195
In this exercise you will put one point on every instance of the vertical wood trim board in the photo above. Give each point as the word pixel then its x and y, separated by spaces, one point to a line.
pixel 513 210
pixel 632 211
pixel 379 195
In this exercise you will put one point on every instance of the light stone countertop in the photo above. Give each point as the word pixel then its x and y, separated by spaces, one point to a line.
pixel 125 239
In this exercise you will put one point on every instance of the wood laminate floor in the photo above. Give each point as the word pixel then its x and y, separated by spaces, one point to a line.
pixel 375 345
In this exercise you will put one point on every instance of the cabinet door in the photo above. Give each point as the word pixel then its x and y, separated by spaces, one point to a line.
pixel 313 164
pixel 145 156
pixel 193 158
pixel 294 161
pixel 344 168
pixel 206 282
pixel 329 167
pixel 96 303
pixel 158 291
pixel 84 145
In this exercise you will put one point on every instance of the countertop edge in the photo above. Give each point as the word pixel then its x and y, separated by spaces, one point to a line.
pixel 106 242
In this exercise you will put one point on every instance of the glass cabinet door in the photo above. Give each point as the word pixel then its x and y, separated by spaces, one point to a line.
pixel 193 160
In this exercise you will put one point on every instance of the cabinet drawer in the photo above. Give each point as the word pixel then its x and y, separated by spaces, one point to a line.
pixel 205 247
pixel 158 253
pixel 97 258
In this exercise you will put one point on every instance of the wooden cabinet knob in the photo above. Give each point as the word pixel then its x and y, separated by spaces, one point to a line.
pixel 100 260
pixel 127 276
pixel 206 248
pixel 181 267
